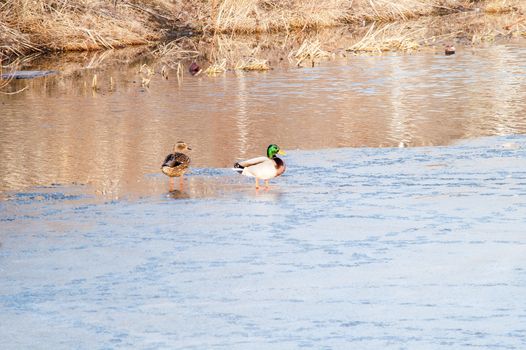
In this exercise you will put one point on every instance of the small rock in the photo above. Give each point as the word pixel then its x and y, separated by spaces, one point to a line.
pixel 194 68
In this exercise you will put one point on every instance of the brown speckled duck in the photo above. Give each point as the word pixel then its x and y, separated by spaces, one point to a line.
pixel 176 163
pixel 264 168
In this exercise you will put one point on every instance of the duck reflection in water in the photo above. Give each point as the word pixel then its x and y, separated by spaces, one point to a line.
pixel 177 194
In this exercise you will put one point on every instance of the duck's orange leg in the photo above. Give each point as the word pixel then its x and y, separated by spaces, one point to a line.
pixel 181 183
pixel 266 185
pixel 171 182
pixel 257 183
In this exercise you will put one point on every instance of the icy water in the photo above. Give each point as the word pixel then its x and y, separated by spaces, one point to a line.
pixel 359 245
pixel 58 131
pixel 414 248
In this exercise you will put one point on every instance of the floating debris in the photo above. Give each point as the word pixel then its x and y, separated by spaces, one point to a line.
pixel 147 73
pixel 216 68
pixel 253 64
pixel 309 50
pixel 194 69
pixel 28 74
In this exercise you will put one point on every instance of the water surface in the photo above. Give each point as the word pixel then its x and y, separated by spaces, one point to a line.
pixel 359 245
pixel 414 248
pixel 59 131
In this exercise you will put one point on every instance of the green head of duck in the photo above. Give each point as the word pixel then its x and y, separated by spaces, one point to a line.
pixel 272 150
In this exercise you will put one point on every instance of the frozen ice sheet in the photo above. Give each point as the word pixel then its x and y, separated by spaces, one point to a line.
pixel 421 248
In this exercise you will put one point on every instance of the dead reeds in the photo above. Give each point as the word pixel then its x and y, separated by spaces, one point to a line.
pixel 468 28
pixel 388 37
pixel 366 11
pixel 176 50
pixel 146 72
pixel 502 6
pixel 6 77
pixel 79 25
pixel 171 55
pixel 255 16
pixel 309 50
pixel 237 16
pixel 217 68
pixel 14 43
pixel 252 64
pixel 76 25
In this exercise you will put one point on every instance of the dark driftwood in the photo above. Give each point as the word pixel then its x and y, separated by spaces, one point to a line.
pixel 28 74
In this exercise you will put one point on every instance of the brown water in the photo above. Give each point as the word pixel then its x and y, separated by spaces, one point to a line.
pixel 60 131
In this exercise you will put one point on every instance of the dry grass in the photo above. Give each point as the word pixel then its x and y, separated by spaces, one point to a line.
pixel 216 68
pixel 14 43
pixel 503 6
pixel 250 16
pixel 309 50
pixel 252 64
pixel 5 82
pixel 470 28
pixel 364 11
pixel 78 25
pixel 233 52
pixel 146 73
pixel 388 37
pixel 170 55
pixel 243 15
pixel 173 52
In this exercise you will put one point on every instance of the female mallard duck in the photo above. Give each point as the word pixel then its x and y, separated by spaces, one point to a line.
pixel 176 163
pixel 264 168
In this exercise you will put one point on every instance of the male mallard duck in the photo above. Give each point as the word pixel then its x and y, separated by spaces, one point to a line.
pixel 264 168
pixel 176 163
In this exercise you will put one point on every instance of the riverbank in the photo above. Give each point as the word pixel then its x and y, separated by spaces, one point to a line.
pixel 43 26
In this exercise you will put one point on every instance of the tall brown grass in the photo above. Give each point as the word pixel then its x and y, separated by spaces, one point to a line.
pixel 389 37
pixel 251 16
pixel 6 77
pixel 78 25
pixel 309 50
pixel 467 28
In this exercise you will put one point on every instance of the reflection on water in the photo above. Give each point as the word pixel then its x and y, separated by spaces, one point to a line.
pixel 61 132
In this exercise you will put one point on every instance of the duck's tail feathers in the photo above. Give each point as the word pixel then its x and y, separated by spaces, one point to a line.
pixel 238 168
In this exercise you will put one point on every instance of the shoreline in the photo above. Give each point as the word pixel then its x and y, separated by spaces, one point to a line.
pixel 100 26
pixel 246 52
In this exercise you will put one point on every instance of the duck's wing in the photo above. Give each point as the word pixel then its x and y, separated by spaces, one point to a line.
pixel 250 162
pixel 176 159
pixel 263 170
